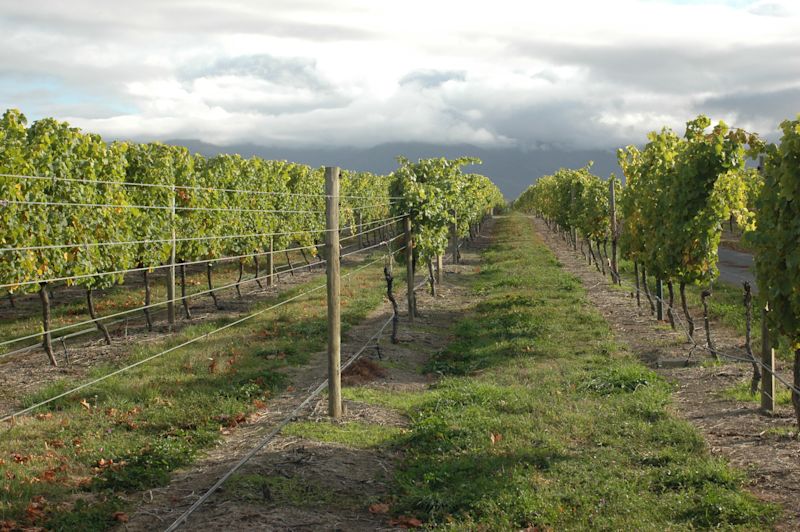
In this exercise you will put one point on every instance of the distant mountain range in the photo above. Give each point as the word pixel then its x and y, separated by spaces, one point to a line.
pixel 512 169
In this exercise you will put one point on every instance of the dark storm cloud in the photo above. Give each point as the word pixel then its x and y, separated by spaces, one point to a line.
pixel 292 72
pixel 361 73
pixel 147 17
pixel 756 106
pixel 672 67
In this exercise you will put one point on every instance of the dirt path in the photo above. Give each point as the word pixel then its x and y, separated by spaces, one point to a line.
pixel 756 443
pixel 735 267
pixel 302 484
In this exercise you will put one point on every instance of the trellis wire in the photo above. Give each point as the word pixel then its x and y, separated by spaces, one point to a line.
pixel 166 302
pixel 276 430
pixel 185 187
pixel 271 434
pixel 159 303
pixel 4 202
pixel 179 346
pixel 153 268
pixel 373 246
pixel 185 239
pixel 93 329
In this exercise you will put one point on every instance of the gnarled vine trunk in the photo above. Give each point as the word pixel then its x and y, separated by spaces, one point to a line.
pixel 689 320
pixel 395 314
pixel 239 279
pixel 591 252
pixel 795 395
pixel 209 268
pixel 289 262
pixel 602 261
pixel 704 295
pixel 47 342
pixel 432 278
pixel 258 271
pixel 100 325
pixel 147 296
pixel 183 293
pixel 748 314
pixel 671 304
pixel 647 291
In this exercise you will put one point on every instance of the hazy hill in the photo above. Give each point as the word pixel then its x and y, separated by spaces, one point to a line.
pixel 512 169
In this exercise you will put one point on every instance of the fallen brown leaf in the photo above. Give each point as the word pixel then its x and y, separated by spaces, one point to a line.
pixel 405 521
pixel 379 508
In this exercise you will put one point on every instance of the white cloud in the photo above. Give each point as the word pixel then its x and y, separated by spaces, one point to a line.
pixel 572 73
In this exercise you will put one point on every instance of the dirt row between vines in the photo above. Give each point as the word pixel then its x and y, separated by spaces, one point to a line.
pixel 756 443
pixel 331 486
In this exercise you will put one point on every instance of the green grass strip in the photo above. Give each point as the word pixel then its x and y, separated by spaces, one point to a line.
pixel 542 420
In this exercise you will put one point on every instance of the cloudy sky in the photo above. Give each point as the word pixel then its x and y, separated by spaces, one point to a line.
pixel 565 73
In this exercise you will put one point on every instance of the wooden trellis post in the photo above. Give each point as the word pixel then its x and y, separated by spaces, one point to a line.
pixel 768 366
pixel 334 291
pixel 409 267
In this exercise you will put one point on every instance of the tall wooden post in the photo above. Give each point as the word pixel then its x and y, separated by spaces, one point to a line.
pixel 409 266
pixel 659 299
pixel 439 268
pixel 768 366
pixel 612 204
pixel 271 262
pixel 171 270
pixel 334 291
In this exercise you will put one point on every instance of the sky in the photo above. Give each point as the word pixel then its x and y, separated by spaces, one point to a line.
pixel 507 74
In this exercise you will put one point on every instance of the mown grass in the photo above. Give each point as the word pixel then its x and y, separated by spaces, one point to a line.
pixel 352 434
pixel 541 420
pixel 70 463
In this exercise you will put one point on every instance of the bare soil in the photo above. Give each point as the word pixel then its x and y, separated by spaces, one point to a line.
pixel 761 445
pixel 352 479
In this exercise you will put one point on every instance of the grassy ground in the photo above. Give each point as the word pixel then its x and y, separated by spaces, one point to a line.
pixel 66 467
pixel 541 420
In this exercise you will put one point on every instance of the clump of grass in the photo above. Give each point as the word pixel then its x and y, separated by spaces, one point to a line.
pixel 620 378
pixel 352 434
pixel 741 392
